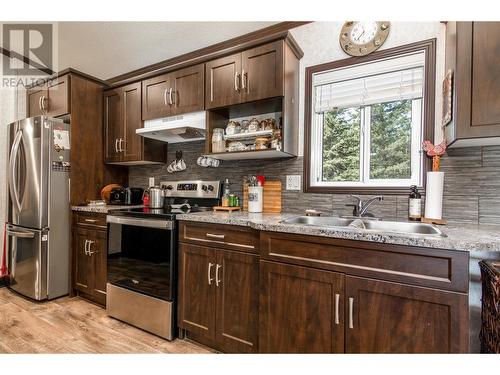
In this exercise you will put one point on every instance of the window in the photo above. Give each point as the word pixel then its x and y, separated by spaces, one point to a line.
pixel 366 124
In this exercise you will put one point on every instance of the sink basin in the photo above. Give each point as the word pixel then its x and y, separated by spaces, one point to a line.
pixel 371 225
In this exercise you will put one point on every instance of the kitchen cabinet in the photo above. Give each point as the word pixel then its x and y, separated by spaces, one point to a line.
pixel 472 50
pixel 174 93
pixel 251 75
pixel 90 256
pixel 301 309
pixel 218 290
pixel 386 317
pixel 51 98
pixel 122 116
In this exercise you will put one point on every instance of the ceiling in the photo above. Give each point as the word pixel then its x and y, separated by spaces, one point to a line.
pixel 108 49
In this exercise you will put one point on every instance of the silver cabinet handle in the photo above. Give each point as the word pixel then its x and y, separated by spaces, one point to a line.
pixel 90 252
pixel 210 279
pixel 170 99
pixel 86 247
pixel 218 236
pixel 236 83
pixel 116 145
pixel 165 97
pixel 351 305
pixel 217 268
pixel 90 220
pixel 337 300
pixel 120 145
pixel 244 77
pixel 40 103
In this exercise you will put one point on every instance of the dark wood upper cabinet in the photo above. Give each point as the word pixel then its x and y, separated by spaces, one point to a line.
pixel 223 77
pixel 155 97
pixel 251 75
pixel 237 301
pixel 301 310
pixel 52 98
pixel 197 290
pixel 122 117
pixel 188 89
pixel 262 72
pixel 472 50
pixel 395 318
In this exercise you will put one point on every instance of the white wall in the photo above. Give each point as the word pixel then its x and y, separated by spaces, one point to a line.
pixel 320 43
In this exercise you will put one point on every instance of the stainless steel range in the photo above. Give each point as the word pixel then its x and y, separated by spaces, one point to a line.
pixel 142 256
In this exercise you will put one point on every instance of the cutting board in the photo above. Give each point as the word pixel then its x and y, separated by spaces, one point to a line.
pixel 272 196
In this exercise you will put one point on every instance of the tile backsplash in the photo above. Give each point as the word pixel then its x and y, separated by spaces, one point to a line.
pixel 472 183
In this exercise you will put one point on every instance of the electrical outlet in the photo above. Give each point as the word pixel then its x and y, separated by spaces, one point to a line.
pixel 151 181
pixel 293 182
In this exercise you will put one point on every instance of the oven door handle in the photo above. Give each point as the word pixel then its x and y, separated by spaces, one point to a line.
pixel 148 223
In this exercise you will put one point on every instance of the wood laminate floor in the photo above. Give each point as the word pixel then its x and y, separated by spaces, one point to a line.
pixel 73 325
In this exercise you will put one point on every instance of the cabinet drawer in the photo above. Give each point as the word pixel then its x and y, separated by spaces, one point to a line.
pixel 222 236
pixel 91 220
pixel 435 268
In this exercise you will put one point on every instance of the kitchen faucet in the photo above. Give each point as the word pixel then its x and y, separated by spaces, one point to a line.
pixel 359 209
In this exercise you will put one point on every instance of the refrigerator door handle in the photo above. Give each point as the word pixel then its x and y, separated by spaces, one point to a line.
pixel 20 234
pixel 12 170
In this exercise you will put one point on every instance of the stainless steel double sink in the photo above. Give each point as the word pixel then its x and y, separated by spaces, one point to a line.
pixel 367 224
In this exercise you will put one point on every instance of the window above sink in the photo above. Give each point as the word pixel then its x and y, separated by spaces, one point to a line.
pixel 366 119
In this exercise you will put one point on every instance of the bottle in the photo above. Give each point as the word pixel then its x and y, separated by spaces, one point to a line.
pixel 225 197
pixel 414 204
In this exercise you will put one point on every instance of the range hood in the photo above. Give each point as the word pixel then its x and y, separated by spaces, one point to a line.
pixel 176 129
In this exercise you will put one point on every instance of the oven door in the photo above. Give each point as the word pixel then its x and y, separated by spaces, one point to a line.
pixel 141 255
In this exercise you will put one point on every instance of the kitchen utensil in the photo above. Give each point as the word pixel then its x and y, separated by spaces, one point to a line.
pixel 156 197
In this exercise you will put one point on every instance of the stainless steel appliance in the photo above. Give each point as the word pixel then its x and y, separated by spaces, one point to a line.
pixel 126 196
pixel 155 197
pixel 38 211
pixel 142 256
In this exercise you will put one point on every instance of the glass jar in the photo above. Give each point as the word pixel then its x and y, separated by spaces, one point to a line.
pixel 218 142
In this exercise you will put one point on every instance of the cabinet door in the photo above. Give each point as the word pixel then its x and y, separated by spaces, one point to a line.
pixel 197 290
pixel 301 310
pixel 155 97
pixel 113 125
pixel 262 72
pixel 34 101
pixel 485 77
pixel 395 318
pixel 84 269
pixel 237 301
pixel 223 81
pixel 132 145
pixel 188 94
pixel 99 255
pixel 59 96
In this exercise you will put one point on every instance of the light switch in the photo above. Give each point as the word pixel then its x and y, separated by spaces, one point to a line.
pixel 293 182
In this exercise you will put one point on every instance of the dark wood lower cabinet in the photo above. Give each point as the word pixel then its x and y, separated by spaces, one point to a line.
pixel 301 310
pixel 395 318
pixel 218 297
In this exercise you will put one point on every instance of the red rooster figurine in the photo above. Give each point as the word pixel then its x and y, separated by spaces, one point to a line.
pixel 435 151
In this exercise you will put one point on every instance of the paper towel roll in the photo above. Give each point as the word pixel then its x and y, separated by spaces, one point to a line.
pixel 434 195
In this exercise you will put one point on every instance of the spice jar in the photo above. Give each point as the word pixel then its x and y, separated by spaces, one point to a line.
pixel 261 143
pixel 233 127
pixel 218 142
pixel 253 125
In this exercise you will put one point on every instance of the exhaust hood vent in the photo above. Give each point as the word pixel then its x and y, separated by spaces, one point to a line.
pixel 176 129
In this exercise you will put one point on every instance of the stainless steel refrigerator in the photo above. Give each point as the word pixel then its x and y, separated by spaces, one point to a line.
pixel 38 211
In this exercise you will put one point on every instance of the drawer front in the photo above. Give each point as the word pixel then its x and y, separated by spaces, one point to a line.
pixel 435 268
pixel 90 219
pixel 221 236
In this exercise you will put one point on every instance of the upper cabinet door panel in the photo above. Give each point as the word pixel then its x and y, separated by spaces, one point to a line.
pixel 262 72
pixel 486 75
pixel 188 89
pixel 58 96
pixel 34 100
pixel 113 125
pixel 155 97
pixel 223 81
pixel 396 318
pixel 132 143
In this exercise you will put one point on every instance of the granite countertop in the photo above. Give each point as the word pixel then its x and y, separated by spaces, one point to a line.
pixel 459 237
pixel 102 209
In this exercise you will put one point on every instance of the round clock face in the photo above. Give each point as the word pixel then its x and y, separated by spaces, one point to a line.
pixel 361 38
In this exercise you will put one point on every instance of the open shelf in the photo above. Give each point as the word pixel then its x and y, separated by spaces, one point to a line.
pixel 250 155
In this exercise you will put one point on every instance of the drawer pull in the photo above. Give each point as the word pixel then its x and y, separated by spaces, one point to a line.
pixel 90 220
pixel 218 236
pixel 351 305
pixel 210 279
pixel 337 301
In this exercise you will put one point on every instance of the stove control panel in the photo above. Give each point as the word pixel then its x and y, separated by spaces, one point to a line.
pixel 192 189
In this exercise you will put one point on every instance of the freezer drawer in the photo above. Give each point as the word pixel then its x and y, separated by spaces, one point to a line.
pixel 27 249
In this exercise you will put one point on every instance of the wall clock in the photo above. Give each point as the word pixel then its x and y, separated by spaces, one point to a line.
pixel 359 38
